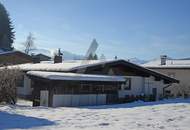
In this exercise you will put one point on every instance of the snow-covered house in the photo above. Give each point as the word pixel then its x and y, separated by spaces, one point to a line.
pixel 175 68
pixel 73 83
pixel 40 57
pixel 14 57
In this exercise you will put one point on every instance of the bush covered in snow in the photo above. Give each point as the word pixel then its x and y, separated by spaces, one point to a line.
pixel 8 82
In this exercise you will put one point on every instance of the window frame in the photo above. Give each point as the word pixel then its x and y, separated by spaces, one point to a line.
pixel 126 86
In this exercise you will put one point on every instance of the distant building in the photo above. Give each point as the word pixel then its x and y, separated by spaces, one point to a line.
pixel 14 57
pixel 93 82
pixel 175 68
pixel 40 57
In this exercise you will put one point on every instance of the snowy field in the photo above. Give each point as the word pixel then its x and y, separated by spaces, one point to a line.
pixel 162 115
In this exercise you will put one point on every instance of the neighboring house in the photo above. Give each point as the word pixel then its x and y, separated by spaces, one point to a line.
pixel 14 57
pixel 175 68
pixel 40 57
pixel 74 83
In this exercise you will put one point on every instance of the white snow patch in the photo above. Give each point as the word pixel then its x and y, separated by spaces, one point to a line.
pixel 64 66
pixel 161 115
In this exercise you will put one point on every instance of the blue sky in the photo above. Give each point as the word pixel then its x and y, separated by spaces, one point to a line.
pixel 126 28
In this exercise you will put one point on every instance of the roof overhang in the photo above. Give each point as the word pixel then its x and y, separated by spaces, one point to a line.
pixel 75 77
pixel 168 67
pixel 139 69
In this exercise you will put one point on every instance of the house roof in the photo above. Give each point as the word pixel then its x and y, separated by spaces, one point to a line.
pixel 40 54
pixel 9 52
pixel 170 64
pixel 74 66
pixel 65 66
pixel 75 76
pixel 2 53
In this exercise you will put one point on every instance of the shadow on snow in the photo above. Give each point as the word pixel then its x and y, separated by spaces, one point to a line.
pixel 15 121
pixel 139 104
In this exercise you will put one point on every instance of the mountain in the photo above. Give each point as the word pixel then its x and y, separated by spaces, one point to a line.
pixel 66 54
pixel 137 61
pixel 71 56
pixel 41 51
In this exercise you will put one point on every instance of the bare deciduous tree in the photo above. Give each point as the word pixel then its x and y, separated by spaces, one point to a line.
pixel 102 57
pixel 8 82
pixel 184 90
pixel 180 90
pixel 29 44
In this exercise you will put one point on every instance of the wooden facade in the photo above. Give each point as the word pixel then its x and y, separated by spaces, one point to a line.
pixel 74 87
pixel 124 68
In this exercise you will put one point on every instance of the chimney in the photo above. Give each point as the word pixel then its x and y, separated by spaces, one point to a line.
pixel 163 59
pixel 115 57
pixel 58 57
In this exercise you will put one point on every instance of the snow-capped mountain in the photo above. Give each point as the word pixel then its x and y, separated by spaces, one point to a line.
pixel 66 54
pixel 137 61
pixel 71 56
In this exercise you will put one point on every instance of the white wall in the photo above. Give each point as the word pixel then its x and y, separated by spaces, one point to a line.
pixel 136 87
pixel 141 85
pixel 150 83
pixel 183 75
pixel 78 100
pixel 26 89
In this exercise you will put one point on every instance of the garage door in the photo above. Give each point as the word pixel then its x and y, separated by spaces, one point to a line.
pixel 79 100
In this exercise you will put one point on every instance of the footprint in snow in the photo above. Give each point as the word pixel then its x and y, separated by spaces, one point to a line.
pixel 169 120
pixel 161 127
pixel 104 124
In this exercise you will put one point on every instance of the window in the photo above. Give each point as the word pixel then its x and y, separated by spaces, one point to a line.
pixel 85 88
pixel 111 72
pixel 20 82
pixel 127 84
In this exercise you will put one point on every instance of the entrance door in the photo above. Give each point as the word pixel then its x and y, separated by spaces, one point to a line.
pixel 44 98
pixel 154 93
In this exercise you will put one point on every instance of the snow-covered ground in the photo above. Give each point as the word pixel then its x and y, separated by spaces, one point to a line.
pixel 161 115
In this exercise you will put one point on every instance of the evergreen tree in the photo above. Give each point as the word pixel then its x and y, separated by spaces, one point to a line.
pixel 95 57
pixel 90 57
pixel 6 30
pixel 102 57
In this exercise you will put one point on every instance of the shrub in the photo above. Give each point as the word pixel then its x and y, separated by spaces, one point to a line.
pixel 8 83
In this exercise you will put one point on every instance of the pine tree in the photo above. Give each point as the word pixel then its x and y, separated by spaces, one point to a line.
pixel 102 57
pixel 90 57
pixel 6 30
pixel 95 57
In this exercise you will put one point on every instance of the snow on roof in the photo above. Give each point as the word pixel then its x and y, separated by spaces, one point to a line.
pixel 73 65
pixel 64 66
pixel 75 76
pixel 11 52
pixel 6 52
pixel 170 63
